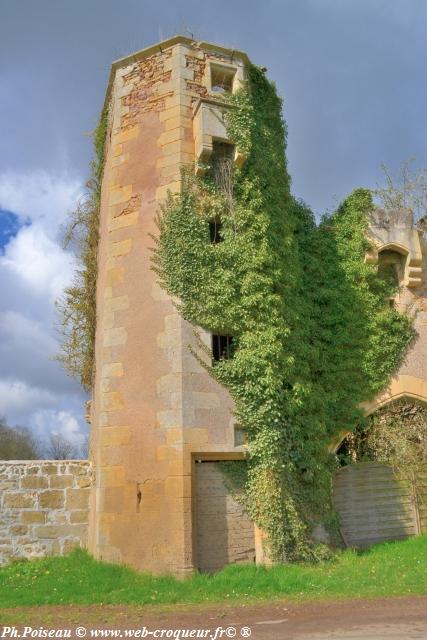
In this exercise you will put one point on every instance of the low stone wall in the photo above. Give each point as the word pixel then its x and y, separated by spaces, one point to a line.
pixel 43 507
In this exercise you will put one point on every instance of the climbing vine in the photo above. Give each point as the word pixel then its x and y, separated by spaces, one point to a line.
pixel 313 333
pixel 395 435
pixel 77 306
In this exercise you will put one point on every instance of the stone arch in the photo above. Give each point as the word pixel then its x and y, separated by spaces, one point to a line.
pixel 393 246
pixel 400 387
pixel 373 502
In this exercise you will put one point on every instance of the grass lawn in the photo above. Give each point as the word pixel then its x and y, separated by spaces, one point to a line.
pixel 391 569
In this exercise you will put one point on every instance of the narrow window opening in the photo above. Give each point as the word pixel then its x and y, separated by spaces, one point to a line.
pixel 222 79
pixel 391 269
pixel 222 347
pixel 222 166
pixel 239 436
pixel 215 227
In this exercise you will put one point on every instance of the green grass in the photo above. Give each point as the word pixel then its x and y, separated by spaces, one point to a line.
pixel 398 568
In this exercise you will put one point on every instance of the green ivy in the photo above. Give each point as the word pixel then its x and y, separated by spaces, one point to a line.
pixel 314 335
pixel 395 434
pixel 77 306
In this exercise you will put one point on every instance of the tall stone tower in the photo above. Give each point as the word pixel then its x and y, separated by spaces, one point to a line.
pixel 160 423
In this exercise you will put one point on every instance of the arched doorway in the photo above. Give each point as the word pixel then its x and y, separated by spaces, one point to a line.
pixel 380 491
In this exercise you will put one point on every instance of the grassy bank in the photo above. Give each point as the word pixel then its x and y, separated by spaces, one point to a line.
pixel 391 569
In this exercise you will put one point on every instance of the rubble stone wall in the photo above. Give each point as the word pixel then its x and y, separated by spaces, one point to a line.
pixel 43 507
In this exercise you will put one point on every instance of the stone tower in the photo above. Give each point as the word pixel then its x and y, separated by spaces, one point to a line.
pixel 160 423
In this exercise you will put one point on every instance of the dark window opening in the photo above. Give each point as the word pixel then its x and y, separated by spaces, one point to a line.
pixel 391 267
pixel 222 347
pixel 215 227
pixel 222 166
pixel 221 152
pixel 239 436
pixel 222 79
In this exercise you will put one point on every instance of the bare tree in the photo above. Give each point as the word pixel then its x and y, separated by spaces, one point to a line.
pixel 406 190
pixel 60 448
pixel 84 448
pixel 17 443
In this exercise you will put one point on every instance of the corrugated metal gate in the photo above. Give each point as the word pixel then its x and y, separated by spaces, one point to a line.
pixel 374 506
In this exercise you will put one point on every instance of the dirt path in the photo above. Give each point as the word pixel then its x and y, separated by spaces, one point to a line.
pixel 386 619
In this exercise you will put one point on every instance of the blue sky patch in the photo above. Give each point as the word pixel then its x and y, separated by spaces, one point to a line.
pixel 9 227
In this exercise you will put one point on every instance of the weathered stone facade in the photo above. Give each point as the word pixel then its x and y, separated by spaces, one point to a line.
pixel 159 421
pixel 154 409
pixel 43 507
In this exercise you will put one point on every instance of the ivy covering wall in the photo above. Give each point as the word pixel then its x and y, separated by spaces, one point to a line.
pixel 77 307
pixel 395 434
pixel 313 332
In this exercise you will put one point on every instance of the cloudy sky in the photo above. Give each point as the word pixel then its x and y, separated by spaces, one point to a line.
pixel 353 76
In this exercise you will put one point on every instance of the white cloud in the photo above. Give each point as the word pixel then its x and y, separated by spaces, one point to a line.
pixel 40 197
pixel 15 327
pixel 64 423
pixel 16 397
pixel 39 261
pixel 34 269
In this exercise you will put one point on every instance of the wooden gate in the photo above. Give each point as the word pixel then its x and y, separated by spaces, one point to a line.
pixel 374 506
pixel 225 534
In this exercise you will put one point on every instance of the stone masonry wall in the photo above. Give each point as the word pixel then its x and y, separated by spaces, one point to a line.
pixel 43 507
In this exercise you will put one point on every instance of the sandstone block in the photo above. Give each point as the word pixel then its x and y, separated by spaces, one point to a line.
pixel 56 549
pixel 114 436
pixel 118 160
pixel 69 544
pixel 178 487
pixel 115 276
pixel 84 482
pixel 121 247
pixel 112 401
pixel 47 531
pixel 57 517
pixel 114 337
pixel 196 436
pixel 61 482
pixel 51 469
pixel 177 133
pixel 129 134
pixel 19 500
pixel 117 150
pixel 174 436
pixel 123 221
pixel 52 499
pixel 34 482
pixel 113 476
pixel 118 303
pixel 60 531
pixel 33 517
pixel 178 121
pixel 112 370
pixel 79 517
pixel 77 498
pixel 18 530
pixel 119 195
